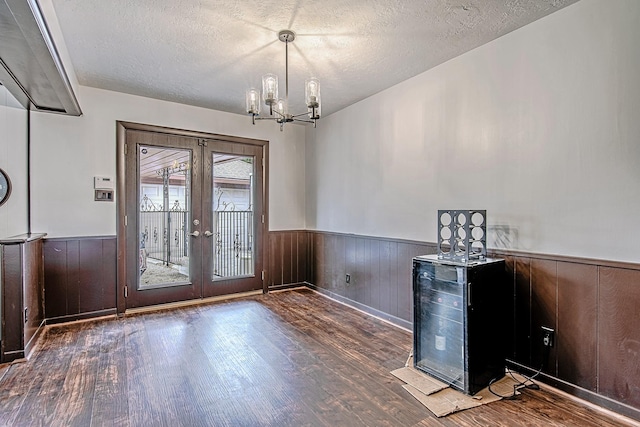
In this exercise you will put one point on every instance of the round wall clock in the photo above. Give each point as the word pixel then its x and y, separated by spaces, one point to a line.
pixel 5 187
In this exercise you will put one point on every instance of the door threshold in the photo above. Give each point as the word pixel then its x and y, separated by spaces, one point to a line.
pixel 187 303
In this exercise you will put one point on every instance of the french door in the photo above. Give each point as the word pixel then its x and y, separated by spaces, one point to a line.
pixel 194 216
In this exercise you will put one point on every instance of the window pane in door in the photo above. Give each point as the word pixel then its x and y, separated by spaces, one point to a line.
pixel 232 210
pixel 164 216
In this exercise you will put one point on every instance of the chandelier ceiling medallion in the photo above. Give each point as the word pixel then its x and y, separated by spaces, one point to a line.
pixel 279 107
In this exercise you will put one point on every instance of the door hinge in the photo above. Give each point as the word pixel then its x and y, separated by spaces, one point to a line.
pixel 125 221
pixel 263 218
pixel 126 291
pixel 263 275
pixel 125 149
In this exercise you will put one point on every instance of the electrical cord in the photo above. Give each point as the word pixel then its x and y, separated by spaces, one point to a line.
pixel 527 383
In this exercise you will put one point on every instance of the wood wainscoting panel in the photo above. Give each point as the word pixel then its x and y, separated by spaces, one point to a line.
pixel 318 259
pixel 55 278
pixel 387 252
pixel 373 273
pixel 619 335
pixel 404 309
pixel 73 267
pixel 577 324
pixel 522 321
pixel 379 270
pixel 109 273
pixel 510 279
pixel 335 271
pixel 346 262
pixel 288 258
pixel 80 277
pixel 302 257
pixel 12 303
pixel 33 290
pixel 544 305
pixel 97 278
pixel 276 244
pixel 288 261
pixel 21 295
pixel 90 291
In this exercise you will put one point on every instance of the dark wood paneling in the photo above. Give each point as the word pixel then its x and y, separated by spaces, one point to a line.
pixel 90 286
pixel 288 260
pixel 380 270
pixel 522 321
pixel 384 269
pixel 349 258
pixel 109 273
pixel 55 278
pixel 577 324
pixel 394 282
pixel 405 277
pixel 544 297
pixel 295 257
pixel 12 303
pixel 510 277
pixel 304 262
pixel 367 273
pixel 319 259
pixel 619 335
pixel 33 290
pixel 73 276
pixel 275 259
pixel 336 270
pixel 80 276
pixel 358 288
pixel 375 283
pixel 21 291
pixel 311 257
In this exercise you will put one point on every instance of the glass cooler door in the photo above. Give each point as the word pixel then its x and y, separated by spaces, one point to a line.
pixel 439 321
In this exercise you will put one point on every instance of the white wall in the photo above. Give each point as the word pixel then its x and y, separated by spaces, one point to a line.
pixel 540 127
pixel 13 160
pixel 67 152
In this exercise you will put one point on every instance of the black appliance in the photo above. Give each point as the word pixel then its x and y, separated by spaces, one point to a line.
pixel 461 318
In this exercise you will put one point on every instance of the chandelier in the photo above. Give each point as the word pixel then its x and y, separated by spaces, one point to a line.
pixel 278 107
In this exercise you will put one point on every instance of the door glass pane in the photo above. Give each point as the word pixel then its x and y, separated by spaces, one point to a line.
pixel 232 210
pixel 164 216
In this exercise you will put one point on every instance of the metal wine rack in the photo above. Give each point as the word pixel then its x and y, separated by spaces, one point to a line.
pixel 462 234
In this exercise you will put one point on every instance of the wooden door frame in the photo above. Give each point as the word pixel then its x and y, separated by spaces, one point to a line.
pixel 121 129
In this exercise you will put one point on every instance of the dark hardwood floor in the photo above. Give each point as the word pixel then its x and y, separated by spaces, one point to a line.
pixel 290 358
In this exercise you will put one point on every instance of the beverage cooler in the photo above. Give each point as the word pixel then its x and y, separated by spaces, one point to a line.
pixel 462 314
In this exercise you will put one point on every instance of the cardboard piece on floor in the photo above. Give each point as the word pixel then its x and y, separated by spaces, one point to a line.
pixel 443 402
pixel 448 400
pixel 424 383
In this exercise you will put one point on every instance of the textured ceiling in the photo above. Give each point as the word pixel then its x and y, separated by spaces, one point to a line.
pixel 208 52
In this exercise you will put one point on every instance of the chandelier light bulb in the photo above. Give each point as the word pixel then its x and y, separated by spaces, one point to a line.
pixel 312 92
pixel 270 88
pixel 281 107
pixel 253 101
